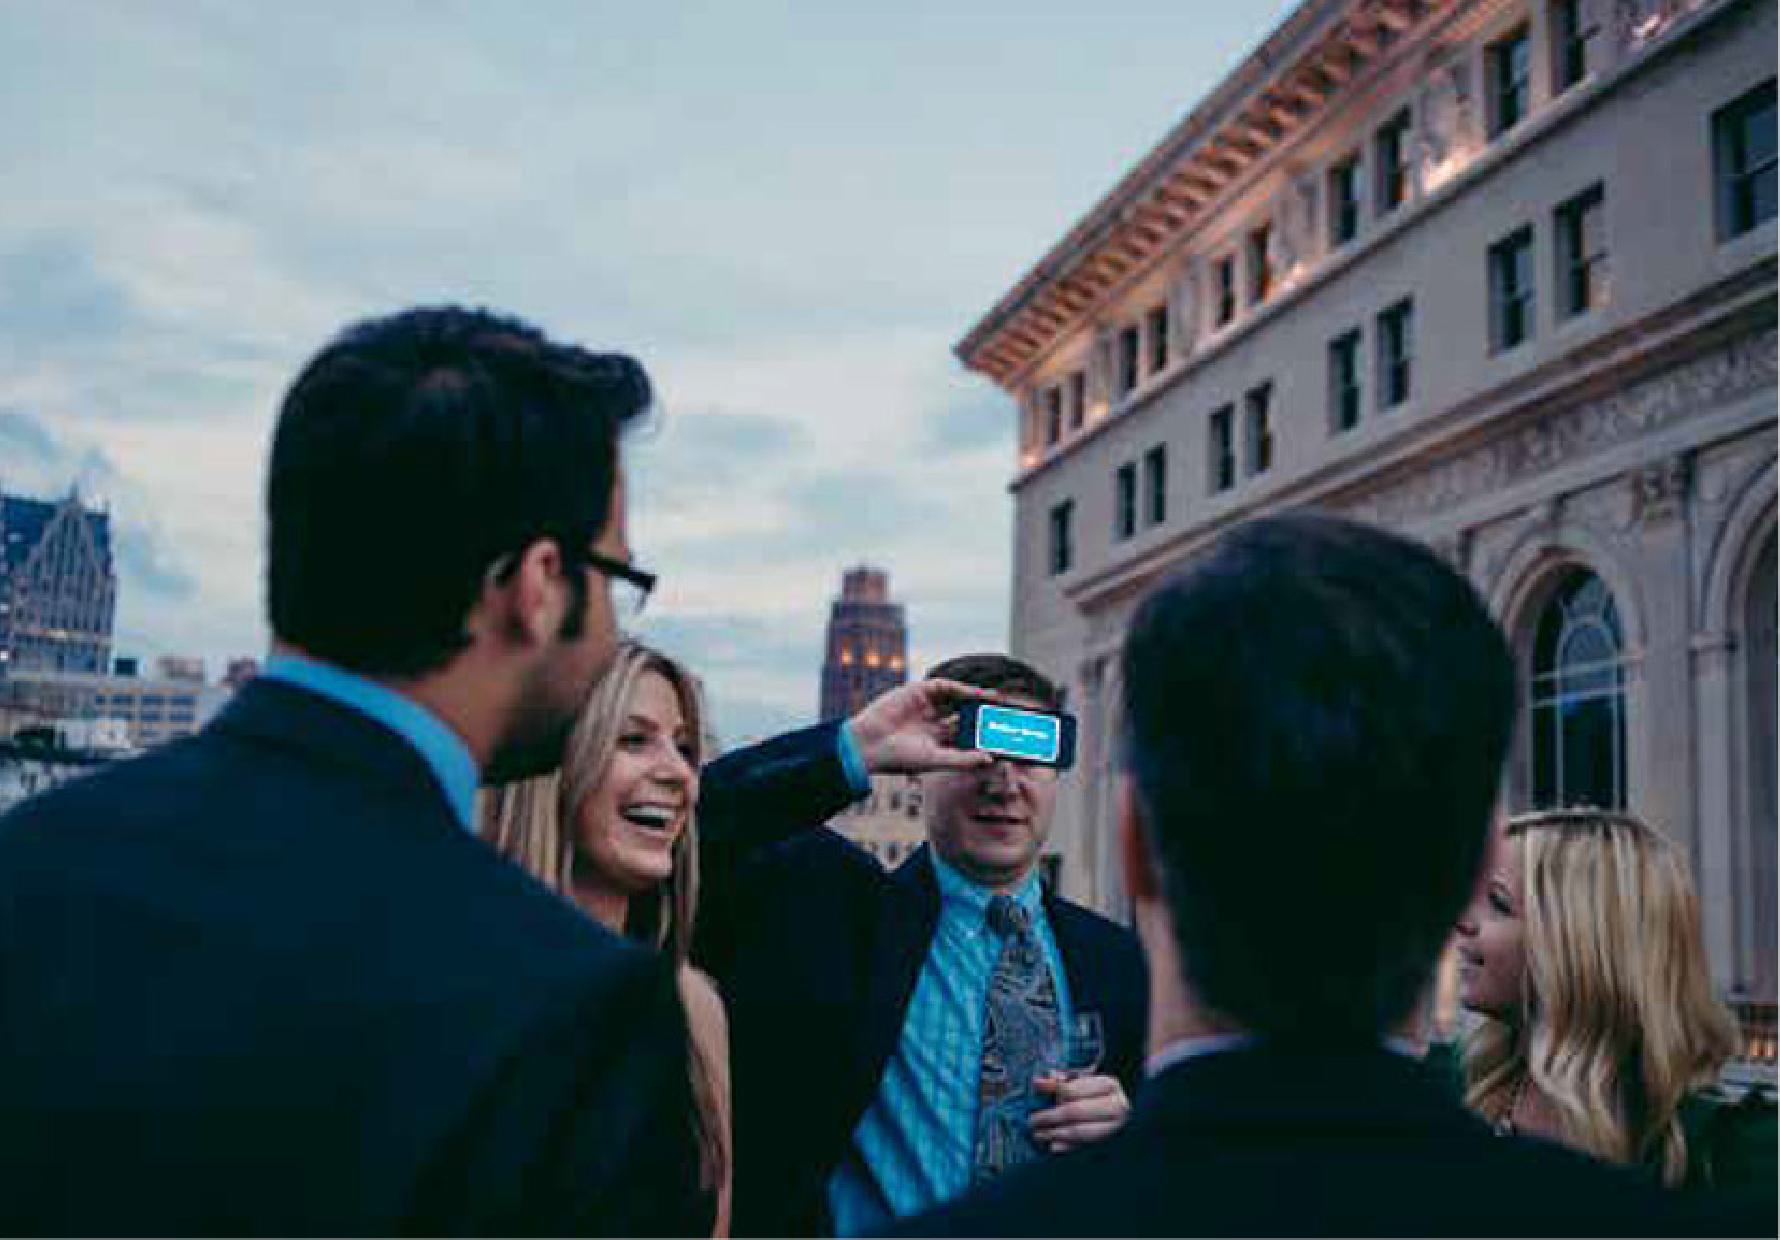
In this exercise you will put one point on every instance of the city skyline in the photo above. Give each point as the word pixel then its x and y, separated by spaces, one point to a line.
pixel 731 194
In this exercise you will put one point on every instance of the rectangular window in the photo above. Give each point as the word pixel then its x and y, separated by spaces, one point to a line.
pixel 1505 68
pixel 1155 484
pixel 1573 31
pixel 1743 161
pixel 1128 357
pixel 1053 412
pixel 1581 253
pixel 1226 289
pixel 1396 353
pixel 1390 159
pixel 1511 290
pixel 1260 264
pixel 1124 502
pixel 1157 327
pixel 1257 429
pixel 1344 201
pixel 1062 552
pixel 1222 454
pixel 1077 403
pixel 1344 381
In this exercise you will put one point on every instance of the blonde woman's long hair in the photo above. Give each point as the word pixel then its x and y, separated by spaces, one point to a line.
pixel 532 822
pixel 1618 1020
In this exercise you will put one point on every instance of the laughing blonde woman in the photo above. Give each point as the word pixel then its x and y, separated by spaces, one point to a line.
pixel 615 832
pixel 1600 1030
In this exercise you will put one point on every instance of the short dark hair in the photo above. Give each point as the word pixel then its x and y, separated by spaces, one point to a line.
pixel 1002 674
pixel 1315 721
pixel 412 453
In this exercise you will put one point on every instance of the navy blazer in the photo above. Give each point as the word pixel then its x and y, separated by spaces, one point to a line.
pixel 1276 1142
pixel 263 980
pixel 818 949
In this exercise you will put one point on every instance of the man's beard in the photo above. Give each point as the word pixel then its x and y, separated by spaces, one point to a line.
pixel 533 750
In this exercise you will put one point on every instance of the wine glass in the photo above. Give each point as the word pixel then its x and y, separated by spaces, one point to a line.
pixel 1080 1045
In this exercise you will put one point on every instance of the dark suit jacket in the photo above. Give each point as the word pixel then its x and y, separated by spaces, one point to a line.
pixel 264 981
pixel 818 949
pixel 1270 1143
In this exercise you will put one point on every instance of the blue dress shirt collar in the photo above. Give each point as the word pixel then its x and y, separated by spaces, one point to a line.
pixel 958 893
pixel 443 750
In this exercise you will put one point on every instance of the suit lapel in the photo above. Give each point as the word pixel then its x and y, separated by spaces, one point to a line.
pixel 899 948
pixel 1087 992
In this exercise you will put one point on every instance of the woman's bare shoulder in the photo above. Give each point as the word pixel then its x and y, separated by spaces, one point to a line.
pixel 704 1004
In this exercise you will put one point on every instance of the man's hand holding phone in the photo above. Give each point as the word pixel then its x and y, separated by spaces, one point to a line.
pixel 909 729
pixel 942 725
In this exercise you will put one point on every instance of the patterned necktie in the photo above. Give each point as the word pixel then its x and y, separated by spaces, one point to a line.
pixel 1019 1024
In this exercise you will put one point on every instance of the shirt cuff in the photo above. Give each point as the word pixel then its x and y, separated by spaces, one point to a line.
pixel 858 778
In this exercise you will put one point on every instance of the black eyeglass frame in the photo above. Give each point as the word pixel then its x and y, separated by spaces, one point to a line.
pixel 641 578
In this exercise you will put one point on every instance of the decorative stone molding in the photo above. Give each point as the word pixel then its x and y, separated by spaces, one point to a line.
pixel 1293 238
pixel 1637 23
pixel 1449 129
pixel 1185 297
pixel 1100 368
pixel 1558 438
pixel 1659 491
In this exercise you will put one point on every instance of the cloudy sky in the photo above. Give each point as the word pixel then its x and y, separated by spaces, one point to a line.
pixel 790 212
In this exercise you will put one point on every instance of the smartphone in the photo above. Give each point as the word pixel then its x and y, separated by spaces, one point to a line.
pixel 1042 736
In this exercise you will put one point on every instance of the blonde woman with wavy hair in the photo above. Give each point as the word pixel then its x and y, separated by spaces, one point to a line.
pixel 1600 1030
pixel 614 831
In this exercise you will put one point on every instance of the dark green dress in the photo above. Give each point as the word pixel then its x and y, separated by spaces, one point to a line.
pixel 1732 1145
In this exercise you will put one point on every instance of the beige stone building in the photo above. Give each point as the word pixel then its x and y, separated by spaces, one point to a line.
pixel 1496 273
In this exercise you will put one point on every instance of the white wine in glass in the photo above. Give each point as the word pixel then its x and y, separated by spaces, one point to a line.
pixel 1081 1043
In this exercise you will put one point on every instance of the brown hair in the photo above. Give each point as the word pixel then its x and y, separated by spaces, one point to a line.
pixel 1003 674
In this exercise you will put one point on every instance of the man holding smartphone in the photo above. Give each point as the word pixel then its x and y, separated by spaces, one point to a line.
pixel 896 1034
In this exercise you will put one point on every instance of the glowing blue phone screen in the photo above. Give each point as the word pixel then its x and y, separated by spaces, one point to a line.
pixel 1018 733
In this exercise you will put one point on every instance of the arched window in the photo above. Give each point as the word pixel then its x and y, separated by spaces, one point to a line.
pixel 1578 698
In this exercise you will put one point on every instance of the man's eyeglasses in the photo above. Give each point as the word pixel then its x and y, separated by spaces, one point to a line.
pixel 631 585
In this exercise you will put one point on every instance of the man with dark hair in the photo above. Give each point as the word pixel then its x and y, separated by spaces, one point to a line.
pixel 1315 721
pixel 267 979
pixel 888 1027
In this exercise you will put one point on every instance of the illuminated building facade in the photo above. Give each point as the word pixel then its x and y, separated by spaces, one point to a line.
pixel 1500 275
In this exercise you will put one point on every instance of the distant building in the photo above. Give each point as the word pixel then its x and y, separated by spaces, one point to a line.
pixel 154 710
pixel 239 672
pixel 888 823
pixel 180 667
pixel 39 763
pixel 58 586
pixel 867 646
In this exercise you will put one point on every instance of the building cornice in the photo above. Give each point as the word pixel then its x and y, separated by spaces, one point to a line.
pixel 1321 49
pixel 1325 55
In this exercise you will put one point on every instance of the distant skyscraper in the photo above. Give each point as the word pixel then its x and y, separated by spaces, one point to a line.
pixel 58 586
pixel 867 650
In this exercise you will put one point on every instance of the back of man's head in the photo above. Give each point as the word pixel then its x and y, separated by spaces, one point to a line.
pixel 414 452
pixel 1315 720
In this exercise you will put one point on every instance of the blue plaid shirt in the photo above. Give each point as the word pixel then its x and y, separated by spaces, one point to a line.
pixel 912 1149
